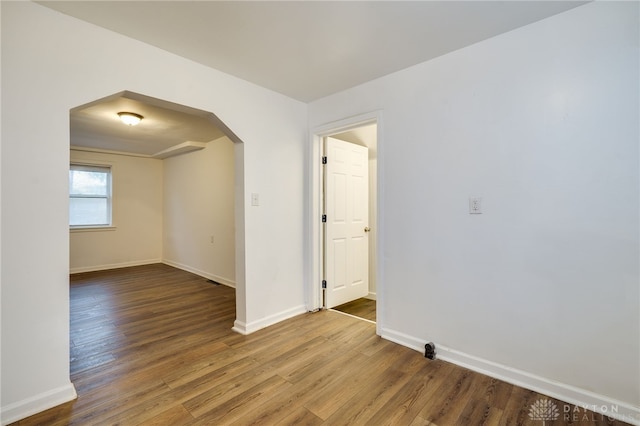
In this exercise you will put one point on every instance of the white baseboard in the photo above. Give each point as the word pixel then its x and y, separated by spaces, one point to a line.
pixel 402 339
pixel 81 269
pixel 371 296
pixel 204 274
pixel 35 404
pixel 583 399
pixel 240 327
pixel 248 328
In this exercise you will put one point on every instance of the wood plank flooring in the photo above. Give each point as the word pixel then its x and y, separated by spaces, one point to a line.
pixel 361 308
pixel 153 345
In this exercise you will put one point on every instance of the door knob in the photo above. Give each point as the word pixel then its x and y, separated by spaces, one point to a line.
pixel 367 229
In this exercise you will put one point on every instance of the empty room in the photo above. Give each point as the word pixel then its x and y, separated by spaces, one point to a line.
pixel 185 268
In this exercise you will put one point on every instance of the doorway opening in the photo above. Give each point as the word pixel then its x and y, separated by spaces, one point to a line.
pixel 345 238
pixel 164 189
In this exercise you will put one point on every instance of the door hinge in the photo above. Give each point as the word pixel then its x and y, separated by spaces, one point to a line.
pixel 324 283
pixel 324 218
pixel 324 160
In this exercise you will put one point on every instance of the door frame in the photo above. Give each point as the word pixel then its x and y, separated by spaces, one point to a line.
pixel 314 236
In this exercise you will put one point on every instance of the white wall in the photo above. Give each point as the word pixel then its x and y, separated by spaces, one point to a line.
pixel 543 123
pixel 198 205
pixel 66 63
pixel 137 187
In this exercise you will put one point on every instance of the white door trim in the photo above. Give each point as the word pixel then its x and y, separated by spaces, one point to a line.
pixel 313 208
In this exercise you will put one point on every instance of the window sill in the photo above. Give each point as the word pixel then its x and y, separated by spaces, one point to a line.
pixel 91 228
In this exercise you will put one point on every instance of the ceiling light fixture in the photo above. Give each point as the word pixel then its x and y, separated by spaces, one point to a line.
pixel 130 118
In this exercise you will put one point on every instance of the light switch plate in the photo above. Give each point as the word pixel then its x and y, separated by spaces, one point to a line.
pixel 255 199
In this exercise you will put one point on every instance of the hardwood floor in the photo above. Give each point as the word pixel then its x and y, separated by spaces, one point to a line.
pixel 153 345
pixel 361 308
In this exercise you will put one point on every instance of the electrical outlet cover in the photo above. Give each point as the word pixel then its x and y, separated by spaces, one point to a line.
pixel 475 205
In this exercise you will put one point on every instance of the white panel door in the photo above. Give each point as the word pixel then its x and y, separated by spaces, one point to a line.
pixel 346 240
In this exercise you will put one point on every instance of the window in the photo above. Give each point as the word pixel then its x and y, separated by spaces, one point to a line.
pixel 89 196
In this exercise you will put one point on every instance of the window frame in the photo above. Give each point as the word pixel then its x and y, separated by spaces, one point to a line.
pixel 109 196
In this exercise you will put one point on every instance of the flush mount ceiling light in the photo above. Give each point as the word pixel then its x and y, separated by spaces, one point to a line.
pixel 130 118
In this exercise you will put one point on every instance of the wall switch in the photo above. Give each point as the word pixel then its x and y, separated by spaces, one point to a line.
pixel 255 199
pixel 475 205
pixel 212 239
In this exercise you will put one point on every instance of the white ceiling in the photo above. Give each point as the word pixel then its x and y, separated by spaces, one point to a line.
pixel 310 49
pixel 165 126
pixel 303 49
